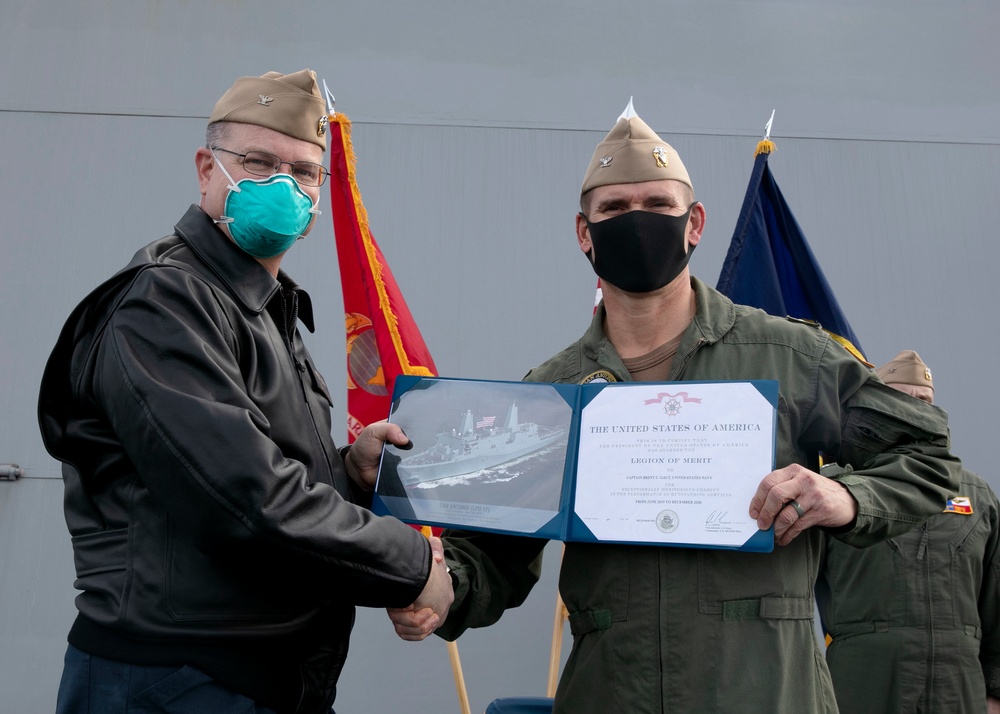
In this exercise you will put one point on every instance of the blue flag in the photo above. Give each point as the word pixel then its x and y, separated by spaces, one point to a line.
pixel 770 265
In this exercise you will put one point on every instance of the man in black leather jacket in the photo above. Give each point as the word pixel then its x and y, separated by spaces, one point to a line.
pixel 221 540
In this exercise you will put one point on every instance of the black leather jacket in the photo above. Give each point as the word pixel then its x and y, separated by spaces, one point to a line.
pixel 213 522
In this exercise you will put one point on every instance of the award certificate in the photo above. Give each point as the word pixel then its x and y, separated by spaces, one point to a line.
pixel 673 463
pixel 645 463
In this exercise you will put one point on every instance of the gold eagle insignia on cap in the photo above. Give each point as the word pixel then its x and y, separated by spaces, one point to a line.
pixel 660 154
pixel 322 124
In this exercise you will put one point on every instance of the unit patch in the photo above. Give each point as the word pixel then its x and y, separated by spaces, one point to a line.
pixel 600 376
pixel 959 504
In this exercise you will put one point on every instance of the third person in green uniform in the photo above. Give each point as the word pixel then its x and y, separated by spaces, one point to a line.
pixel 915 621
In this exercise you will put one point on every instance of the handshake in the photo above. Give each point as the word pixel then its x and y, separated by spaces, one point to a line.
pixel 429 610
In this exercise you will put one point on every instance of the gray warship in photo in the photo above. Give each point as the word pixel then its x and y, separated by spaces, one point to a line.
pixel 474 446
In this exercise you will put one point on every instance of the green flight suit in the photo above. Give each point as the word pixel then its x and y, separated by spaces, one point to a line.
pixel 659 629
pixel 915 621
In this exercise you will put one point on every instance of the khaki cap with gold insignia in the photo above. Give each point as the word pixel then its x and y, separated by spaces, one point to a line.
pixel 906 368
pixel 289 103
pixel 633 153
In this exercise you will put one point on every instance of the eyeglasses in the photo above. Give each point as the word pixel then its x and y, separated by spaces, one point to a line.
pixel 261 163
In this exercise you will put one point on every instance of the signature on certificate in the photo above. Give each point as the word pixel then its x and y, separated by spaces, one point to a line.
pixel 719 522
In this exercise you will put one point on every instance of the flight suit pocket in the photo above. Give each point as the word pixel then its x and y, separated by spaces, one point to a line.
pixel 602 597
pixel 729 582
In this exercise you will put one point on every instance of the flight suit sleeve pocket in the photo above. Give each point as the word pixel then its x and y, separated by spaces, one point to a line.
pixel 881 418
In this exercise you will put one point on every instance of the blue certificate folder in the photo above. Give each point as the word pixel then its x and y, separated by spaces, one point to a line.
pixel 656 463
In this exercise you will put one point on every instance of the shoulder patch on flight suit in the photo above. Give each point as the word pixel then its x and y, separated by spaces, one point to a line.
pixel 601 375
pixel 959 504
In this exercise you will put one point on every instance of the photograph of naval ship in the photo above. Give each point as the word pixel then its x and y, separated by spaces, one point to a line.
pixel 476 444
pixel 470 468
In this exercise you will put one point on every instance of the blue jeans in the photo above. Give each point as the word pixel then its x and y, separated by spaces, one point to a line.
pixel 94 685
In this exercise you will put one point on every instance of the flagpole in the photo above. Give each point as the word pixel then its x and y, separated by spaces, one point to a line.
pixel 765 145
pixel 456 670
pixel 557 638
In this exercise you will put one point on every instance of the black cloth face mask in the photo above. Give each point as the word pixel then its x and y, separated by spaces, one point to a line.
pixel 639 251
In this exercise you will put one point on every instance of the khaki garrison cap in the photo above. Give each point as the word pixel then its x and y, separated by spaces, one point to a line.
pixel 289 103
pixel 906 368
pixel 633 153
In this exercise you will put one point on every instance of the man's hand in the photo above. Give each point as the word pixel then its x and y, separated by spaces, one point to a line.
pixel 820 501
pixel 992 705
pixel 362 460
pixel 429 610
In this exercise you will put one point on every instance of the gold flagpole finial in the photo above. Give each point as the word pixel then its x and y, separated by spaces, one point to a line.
pixel 765 146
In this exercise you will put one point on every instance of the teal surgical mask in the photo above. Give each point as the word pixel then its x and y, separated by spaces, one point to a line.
pixel 266 216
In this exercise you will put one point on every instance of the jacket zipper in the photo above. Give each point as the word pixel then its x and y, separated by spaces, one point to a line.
pixel 926 561
pixel 678 367
pixel 290 315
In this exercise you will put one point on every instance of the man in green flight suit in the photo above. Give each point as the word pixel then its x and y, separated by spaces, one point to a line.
pixel 660 629
pixel 915 621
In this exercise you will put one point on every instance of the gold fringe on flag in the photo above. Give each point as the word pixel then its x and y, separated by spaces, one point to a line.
pixel 849 346
pixel 376 267
pixel 765 146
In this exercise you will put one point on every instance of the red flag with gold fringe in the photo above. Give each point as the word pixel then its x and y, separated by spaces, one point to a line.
pixel 383 341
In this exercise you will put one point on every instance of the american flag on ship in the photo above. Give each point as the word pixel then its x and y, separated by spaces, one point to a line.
pixel 486 422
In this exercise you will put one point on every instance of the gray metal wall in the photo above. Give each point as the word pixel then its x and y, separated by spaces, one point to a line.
pixel 473 123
